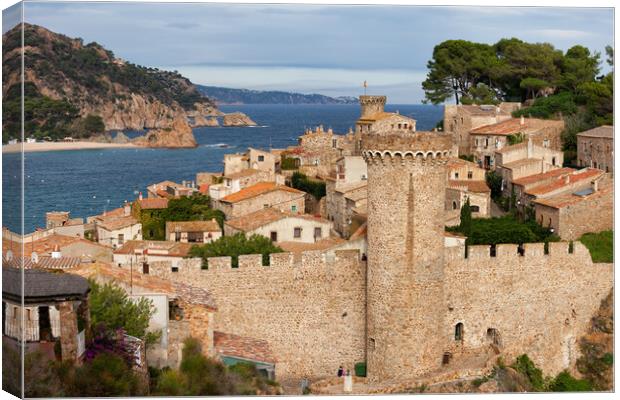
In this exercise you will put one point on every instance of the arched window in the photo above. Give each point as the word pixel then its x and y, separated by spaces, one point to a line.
pixel 454 205
pixel 458 331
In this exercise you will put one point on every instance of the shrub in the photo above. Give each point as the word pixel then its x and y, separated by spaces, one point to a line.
pixel 302 182
pixel 287 163
pixel 565 382
pixel 601 246
pixel 525 366
pixel 105 376
pixel 549 107
pixel 234 246
pixel 110 306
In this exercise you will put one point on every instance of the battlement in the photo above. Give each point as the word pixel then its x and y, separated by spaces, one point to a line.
pixel 418 142
pixel 505 254
pixel 277 261
pixel 369 99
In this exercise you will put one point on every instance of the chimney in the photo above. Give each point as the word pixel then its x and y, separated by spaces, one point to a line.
pixel 595 185
pixel 530 148
pixel 126 209
pixel 140 196
pixel 522 121
pixel 56 252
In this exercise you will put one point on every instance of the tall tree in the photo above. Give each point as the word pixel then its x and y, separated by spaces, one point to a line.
pixel 456 67
pixel 578 67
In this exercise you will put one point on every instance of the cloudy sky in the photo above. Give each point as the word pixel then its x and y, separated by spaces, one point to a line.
pixel 311 49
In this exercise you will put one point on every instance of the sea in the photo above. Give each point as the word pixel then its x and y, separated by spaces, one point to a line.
pixel 88 182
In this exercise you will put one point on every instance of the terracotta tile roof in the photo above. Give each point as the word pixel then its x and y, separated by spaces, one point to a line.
pixel 558 183
pixel 471 186
pixel 257 190
pixel 44 246
pixel 605 131
pixel 193 226
pixel 378 116
pixel 324 244
pixel 265 216
pixel 522 162
pixel 242 174
pixel 188 293
pixel 227 344
pixel 513 125
pixel 163 193
pixel 156 247
pixel 42 263
pixel 113 223
pixel 527 180
pixel 360 232
pixel 153 203
pixel 458 162
pixel 204 188
pixel 568 199
pixel 513 147
pixel 349 187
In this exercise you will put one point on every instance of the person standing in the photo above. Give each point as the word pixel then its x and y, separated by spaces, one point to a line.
pixel 340 371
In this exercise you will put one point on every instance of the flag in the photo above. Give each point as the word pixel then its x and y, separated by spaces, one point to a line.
pixel 365 84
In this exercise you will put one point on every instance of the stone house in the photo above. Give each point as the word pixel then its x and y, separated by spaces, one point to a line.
pixel 115 227
pixel 553 183
pixel 576 212
pixel 486 140
pixel 478 193
pixel 595 148
pixel 55 310
pixel 525 159
pixel 345 205
pixel 62 223
pixel 280 226
pixel 169 189
pixel 181 310
pixel 259 196
pixel 460 119
pixel 193 231
pixel 65 250
pixel 139 254
pixel 459 169
pixel 252 159
pixel 349 169
pixel 234 182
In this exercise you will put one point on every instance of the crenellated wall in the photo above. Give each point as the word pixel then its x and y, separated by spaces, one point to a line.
pixel 540 304
pixel 310 308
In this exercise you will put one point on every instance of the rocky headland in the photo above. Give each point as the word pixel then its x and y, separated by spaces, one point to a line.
pixel 237 119
pixel 179 135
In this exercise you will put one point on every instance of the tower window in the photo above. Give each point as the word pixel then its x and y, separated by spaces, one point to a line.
pixel 470 175
pixel 458 331
pixel 454 205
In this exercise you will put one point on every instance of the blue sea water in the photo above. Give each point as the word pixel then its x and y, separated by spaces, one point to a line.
pixel 86 182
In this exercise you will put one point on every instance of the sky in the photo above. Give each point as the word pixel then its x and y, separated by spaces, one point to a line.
pixel 324 49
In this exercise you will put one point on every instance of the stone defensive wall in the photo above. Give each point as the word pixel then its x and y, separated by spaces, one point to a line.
pixel 539 303
pixel 309 307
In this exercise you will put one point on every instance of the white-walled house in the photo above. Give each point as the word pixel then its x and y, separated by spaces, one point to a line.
pixel 139 254
pixel 116 227
pixel 280 226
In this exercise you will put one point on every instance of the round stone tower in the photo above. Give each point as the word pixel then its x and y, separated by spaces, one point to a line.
pixel 405 308
pixel 372 105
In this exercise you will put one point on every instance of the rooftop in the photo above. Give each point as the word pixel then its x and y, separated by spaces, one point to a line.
pixel 459 162
pixel 43 246
pixel 471 186
pixel 41 285
pixel 227 344
pixel 153 203
pixel 522 162
pixel 112 223
pixel 349 187
pixel 155 247
pixel 513 126
pixel 513 147
pixel 528 180
pixel 265 216
pixel 605 131
pixel 258 190
pixel 567 199
pixel 44 262
pixel 484 109
pixel 193 226
pixel 324 244
pixel 560 182
pixel 242 174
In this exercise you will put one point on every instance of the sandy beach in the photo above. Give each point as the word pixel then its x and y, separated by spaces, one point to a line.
pixel 58 146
